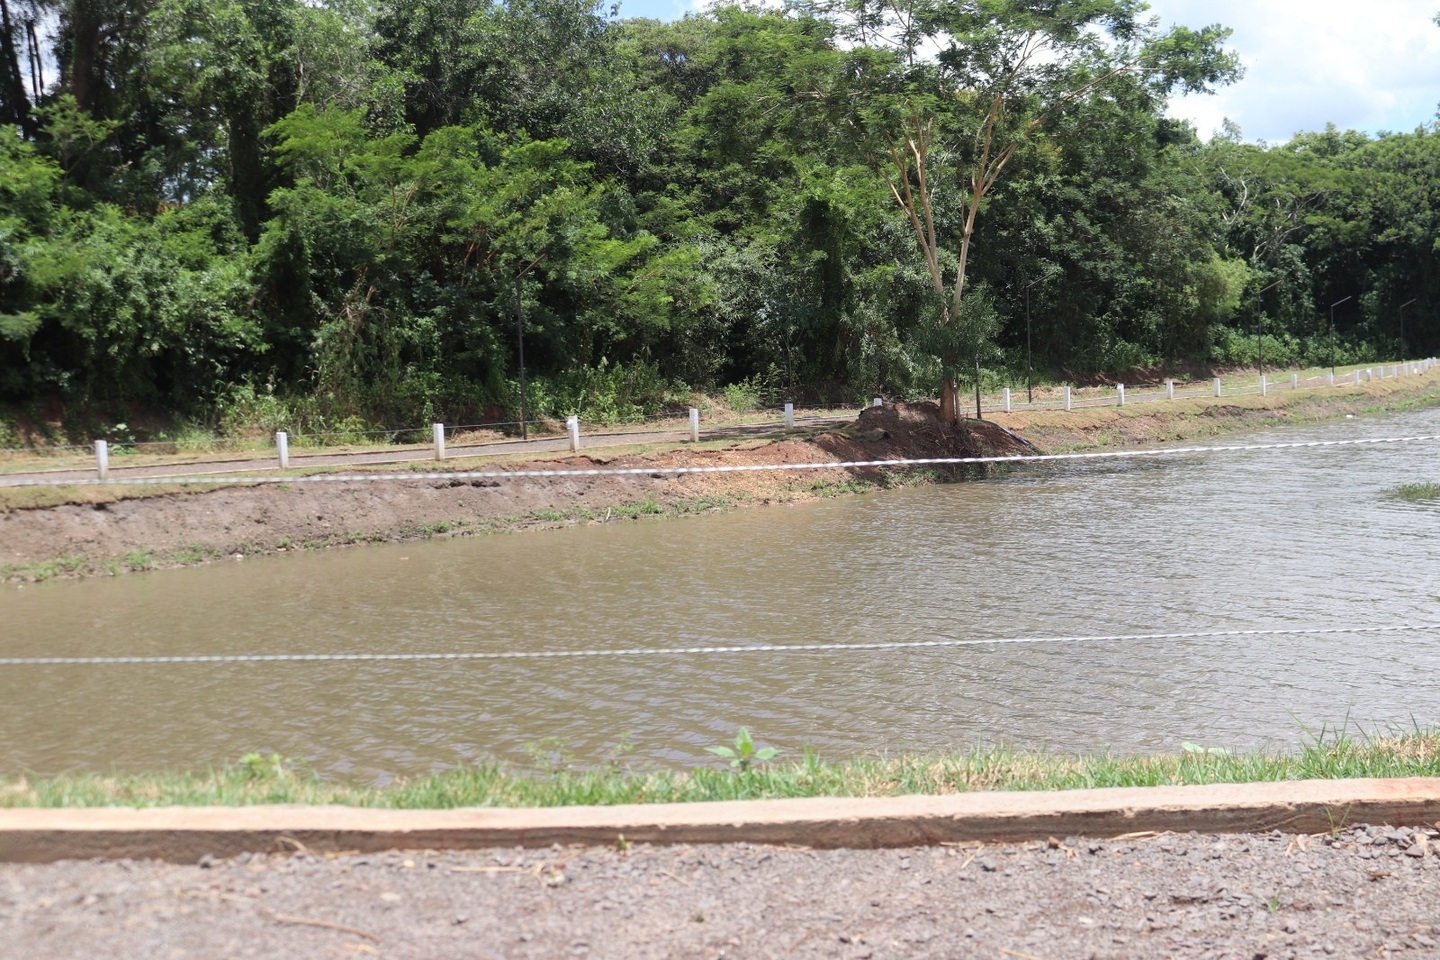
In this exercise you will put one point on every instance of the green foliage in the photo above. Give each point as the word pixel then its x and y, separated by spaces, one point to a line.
pixel 330 217
pixel 743 754
pixel 259 766
pixel 1417 492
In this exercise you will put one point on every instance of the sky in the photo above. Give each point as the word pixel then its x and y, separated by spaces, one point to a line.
pixel 1367 66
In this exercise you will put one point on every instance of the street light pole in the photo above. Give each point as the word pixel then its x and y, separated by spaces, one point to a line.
pixel 1332 333
pixel 1029 375
pixel 1402 325
pixel 520 333
pixel 1259 328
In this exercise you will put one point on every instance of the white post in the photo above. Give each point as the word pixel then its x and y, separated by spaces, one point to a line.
pixel 877 403
pixel 102 458
pixel 1169 389
pixel 1330 379
pixel 790 416
pixel 282 449
pixel 1216 384
pixel 1357 378
pixel 437 434
pixel 1119 394
pixel 1007 399
pixel 1067 398
pixel 1263 385
pixel 572 424
pixel 1294 381
pixel 694 425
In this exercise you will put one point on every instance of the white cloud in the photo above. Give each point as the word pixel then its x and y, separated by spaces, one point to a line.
pixel 1312 62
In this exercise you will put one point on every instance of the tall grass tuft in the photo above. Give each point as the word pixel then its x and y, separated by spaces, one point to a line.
pixel 1416 492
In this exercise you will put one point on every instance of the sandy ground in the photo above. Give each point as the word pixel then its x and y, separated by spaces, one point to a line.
pixel 1364 892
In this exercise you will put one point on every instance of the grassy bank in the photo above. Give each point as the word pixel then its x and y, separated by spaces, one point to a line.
pixel 264 780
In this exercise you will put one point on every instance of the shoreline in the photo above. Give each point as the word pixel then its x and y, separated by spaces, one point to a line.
pixel 258 780
pixel 51 532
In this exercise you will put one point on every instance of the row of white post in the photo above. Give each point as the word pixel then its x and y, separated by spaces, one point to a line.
pixel 572 424
pixel 1357 377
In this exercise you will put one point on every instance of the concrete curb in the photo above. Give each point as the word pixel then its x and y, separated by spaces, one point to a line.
pixel 184 834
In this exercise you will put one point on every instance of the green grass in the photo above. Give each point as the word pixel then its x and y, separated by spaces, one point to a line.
pixel 1416 492
pixel 261 780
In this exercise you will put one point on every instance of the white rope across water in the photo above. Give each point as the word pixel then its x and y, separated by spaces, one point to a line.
pixel 704 651
pixel 734 468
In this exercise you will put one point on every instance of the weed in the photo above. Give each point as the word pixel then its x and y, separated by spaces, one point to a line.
pixel 549 752
pixel 648 507
pixel 838 488
pixel 548 515
pixel 1272 902
pixel 1416 492
pixel 140 560
pixel 436 527
pixel 1194 749
pixel 259 766
pixel 742 755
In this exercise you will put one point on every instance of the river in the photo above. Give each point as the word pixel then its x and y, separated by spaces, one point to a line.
pixel 1188 543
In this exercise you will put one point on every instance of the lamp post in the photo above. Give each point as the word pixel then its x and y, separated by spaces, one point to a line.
pixel 520 335
pixel 1029 377
pixel 1402 325
pixel 1332 333
pixel 1259 327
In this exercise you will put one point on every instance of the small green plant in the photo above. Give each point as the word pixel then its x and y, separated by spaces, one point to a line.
pixel 1416 492
pixel 549 752
pixel 743 755
pixel 1272 902
pixel 1196 750
pixel 262 766
pixel 140 560
pixel 743 397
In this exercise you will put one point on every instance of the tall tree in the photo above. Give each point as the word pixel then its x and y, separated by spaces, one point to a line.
pixel 943 128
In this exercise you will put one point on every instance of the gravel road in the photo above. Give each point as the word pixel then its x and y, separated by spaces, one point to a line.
pixel 1368 892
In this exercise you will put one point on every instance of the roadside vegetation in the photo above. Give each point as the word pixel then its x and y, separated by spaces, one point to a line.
pixel 739 774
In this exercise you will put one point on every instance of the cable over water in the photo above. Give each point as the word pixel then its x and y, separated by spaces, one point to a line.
pixel 704 651
pixel 250 480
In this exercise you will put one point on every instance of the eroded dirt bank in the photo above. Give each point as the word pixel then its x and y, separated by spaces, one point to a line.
pixel 95 533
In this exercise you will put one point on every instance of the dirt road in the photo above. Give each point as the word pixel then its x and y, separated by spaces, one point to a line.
pixel 212 466
pixel 1366 892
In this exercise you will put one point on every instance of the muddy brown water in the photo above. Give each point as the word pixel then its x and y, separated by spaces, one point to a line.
pixel 1237 541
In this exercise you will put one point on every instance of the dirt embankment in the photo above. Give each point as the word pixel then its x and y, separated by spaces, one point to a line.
pixel 104 531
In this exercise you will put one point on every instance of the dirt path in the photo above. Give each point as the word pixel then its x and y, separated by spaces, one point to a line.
pixel 609 440
pixel 1366 892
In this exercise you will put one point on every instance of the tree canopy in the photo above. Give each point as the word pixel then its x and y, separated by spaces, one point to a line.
pixel 348 203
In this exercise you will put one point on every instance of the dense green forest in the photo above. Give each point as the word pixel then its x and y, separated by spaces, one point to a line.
pixel 342 209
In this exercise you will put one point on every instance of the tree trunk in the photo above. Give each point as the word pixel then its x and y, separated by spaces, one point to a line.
pixel 13 96
pixel 950 402
pixel 85 27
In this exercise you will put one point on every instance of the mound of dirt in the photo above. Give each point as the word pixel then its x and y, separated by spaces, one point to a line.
pixel 914 430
